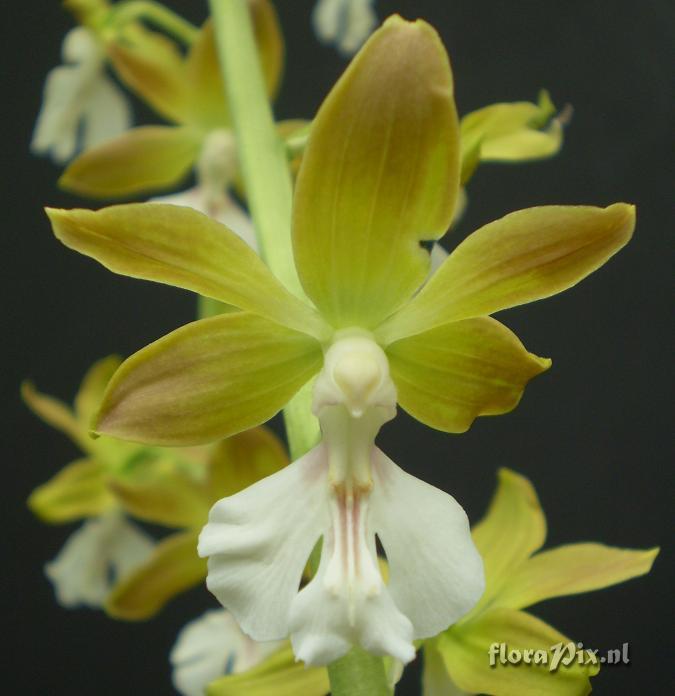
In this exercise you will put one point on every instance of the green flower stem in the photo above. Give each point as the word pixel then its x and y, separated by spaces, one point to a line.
pixel 156 14
pixel 263 160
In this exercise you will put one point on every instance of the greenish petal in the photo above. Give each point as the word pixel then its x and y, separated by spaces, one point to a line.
pixel 572 569
pixel 90 393
pixel 466 653
pixel 456 372
pixel 278 675
pixel 178 246
pixel 207 380
pixel 525 256
pixel 55 413
pixel 239 461
pixel 379 174
pixel 79 490
pixel 513 528
pixel 142 160
pixel 174 567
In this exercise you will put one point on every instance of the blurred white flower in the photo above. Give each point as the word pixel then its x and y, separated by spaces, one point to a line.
pixel 344 23
pixel 214 171
pixel 210 647
pixel 81 105
pixel 95 557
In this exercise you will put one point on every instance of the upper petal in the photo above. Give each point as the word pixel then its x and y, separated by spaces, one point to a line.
pixel 448 376
pixel 436 573
pixel 179 246
pixel 380 173
pixel 572 569
pixel 525 256
pixel 258 542
pixel 143 159
pixel 513 528
pixel 207 380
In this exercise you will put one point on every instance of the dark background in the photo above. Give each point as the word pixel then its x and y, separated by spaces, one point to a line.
pixel 591 433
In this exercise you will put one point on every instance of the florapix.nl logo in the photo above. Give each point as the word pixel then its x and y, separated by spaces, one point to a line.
pixel 558 655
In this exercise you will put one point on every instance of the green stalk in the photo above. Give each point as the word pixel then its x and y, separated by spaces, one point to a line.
pixel 264 164
pixel 156 14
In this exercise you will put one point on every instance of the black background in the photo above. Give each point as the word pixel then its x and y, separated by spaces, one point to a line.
pixel 591 433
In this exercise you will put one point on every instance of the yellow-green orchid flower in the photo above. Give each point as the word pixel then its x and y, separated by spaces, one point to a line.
pixel 109 561
pixel 510 132
pixel 189 92
pixel 518 575
pixel 381 172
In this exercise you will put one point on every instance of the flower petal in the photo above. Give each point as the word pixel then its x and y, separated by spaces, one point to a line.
pixel 107 114
pixel 380 173
pixel 103 550
pixel 512 131
pixel 210 647
pixel 207 380
pixel 181 247
pixel 239 461
pixel 448 376
pixel 142 160
pixel 78 490
pixel 55 413
pixel 89 395
pixel 258 542
pixel 172 568
pixel 466 653
pixel 435 678
pixel 513 528
pixel 152 67
pixel 278 675
pixel 572 569
pixel 525 256
pixel 436 574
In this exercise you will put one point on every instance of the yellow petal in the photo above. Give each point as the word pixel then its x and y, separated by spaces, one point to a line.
pixel 78 490
pixel 179 246
pixel 511 132
pixel 90 393
pixel 525 256
pixel 241 460
pixel 55 413
pixel 572 569
pixel 153 68
pixel 466 653
pixel 173 568
pixel 142 160
pixel 448 376
pixel 379 174
pixel 162 494
pixel 207 380
pixel 278 675
pixel 513 528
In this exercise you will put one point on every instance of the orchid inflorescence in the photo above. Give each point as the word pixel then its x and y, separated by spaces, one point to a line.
pixel 341 550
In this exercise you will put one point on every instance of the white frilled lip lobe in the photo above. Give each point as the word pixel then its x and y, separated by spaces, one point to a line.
pixel 259 541
pixel 346 492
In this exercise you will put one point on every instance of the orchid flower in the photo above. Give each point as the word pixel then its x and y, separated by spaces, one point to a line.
pixel 344 23
pixel 380 173
pixel 518 575
pixel 189 92
pixel 109 562
pixel 213 646
pixel 81 105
